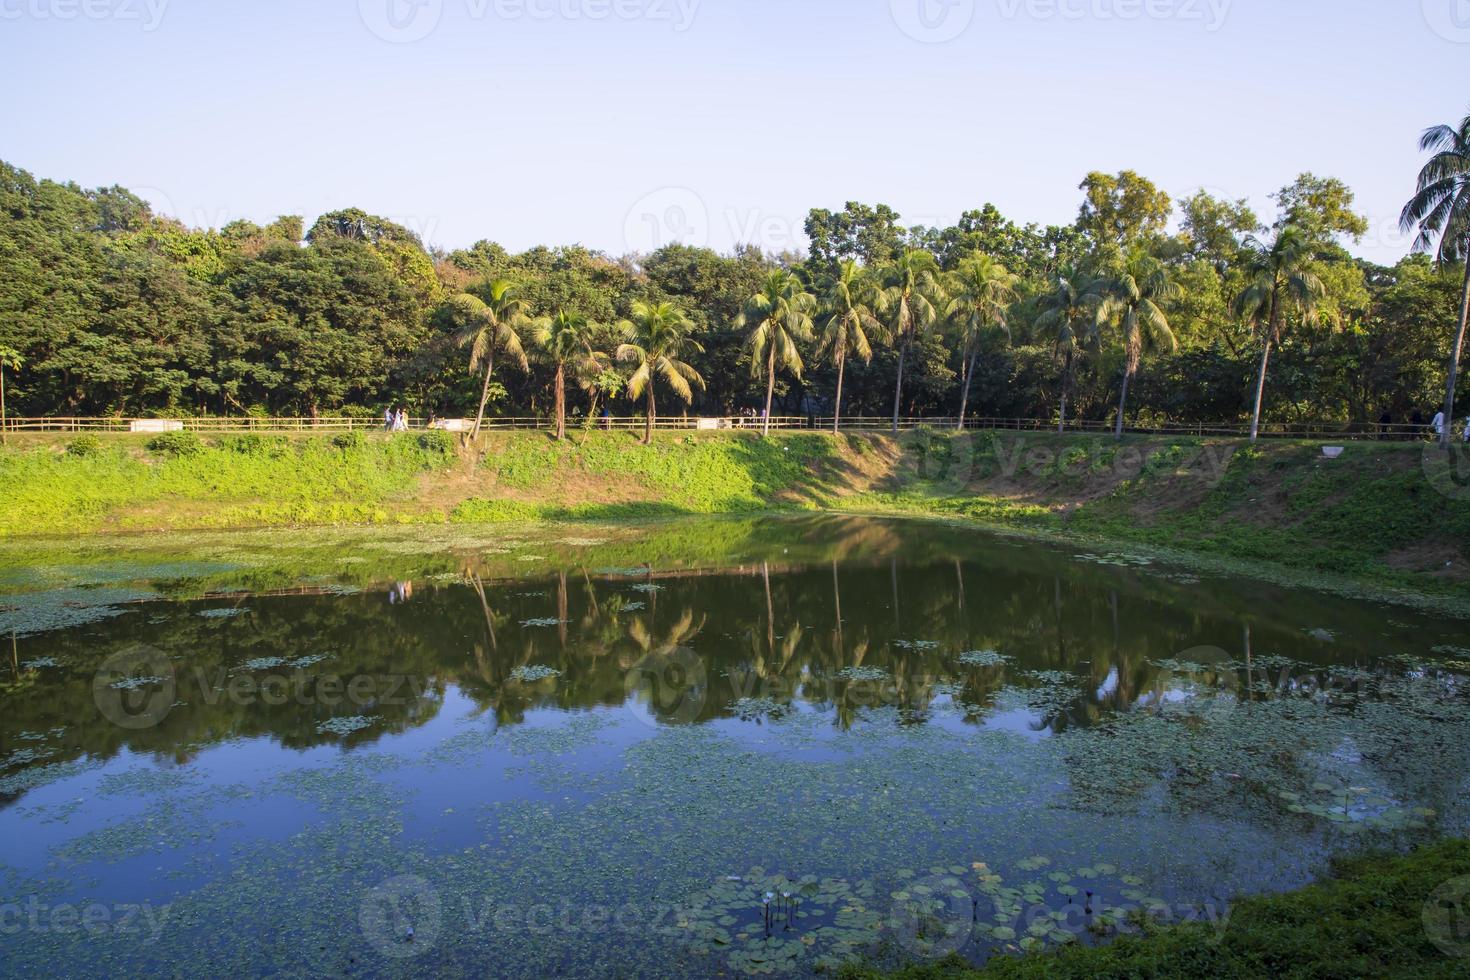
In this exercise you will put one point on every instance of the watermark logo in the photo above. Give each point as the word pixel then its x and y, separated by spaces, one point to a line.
pixel 932 21
pixel 667 216
pixel 933 917
pixel 401 917
pixel 1212 674
pixel 400 21
pixel 667 687
pixel 135 688
pixel 1446 917
pixel 1450 19
pixel 1447 470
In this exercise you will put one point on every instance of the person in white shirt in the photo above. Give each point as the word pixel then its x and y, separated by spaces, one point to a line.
pixel 1438 424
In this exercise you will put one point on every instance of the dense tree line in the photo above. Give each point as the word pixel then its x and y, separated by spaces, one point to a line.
pixel 1143 309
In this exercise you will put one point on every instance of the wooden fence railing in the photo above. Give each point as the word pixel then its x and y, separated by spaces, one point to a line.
pixel 1343 431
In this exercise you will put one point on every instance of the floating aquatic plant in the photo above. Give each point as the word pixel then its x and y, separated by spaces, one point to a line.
pixel 534 623
pixel 533 673
pixel 751 709
pixel 134 683
pixel 983 658
pixel 863 673
pixel 916 644
pixel 344 726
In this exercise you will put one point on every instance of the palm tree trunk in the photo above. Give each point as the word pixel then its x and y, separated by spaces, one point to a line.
pixel 484 396
pixel 903 349
pixel 837 405
pixel 965 391
pixel 1260 390
pixel 1066 383
pixel 1454 366
pixel 648 419
pixel 561 403
pixel 770 389
pixel 1122 405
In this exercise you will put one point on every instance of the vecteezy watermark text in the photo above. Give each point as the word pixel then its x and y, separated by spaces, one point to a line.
pixel 94 918
pixel 139 687
pixel 406 21
pixel 147 13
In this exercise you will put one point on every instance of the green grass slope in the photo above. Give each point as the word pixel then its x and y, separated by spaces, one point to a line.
pixel 1372 514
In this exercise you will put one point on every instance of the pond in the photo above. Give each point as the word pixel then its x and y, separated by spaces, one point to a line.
pixel 749 746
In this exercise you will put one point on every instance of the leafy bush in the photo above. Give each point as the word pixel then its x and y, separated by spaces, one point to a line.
pixel 176 444
pixel 252 444
pixel 83 447
pixel 351 439
pixel 437 442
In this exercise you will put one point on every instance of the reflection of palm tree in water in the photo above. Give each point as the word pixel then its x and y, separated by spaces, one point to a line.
pixel 647 643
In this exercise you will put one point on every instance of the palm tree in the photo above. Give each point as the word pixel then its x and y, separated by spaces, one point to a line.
pixel 1441 210
pixel 9 358
pixel 782 314
pixel 982 289
pixel 658 335
pixel 1070 313
pixel 491 326
pixel 566 338
pixel 913 293
pixel 1133 297
pixel 854 302
pixel 1281 281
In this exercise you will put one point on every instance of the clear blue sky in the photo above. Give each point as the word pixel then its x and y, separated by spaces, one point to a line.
pixel 622 123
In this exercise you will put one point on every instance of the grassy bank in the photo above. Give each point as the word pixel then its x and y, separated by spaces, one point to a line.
pixel 1373 514
pixel 1367 920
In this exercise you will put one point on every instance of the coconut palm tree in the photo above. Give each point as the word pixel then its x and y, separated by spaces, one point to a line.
pixel 567 340
pixel 1070 315
pixel 853 302
pixel 983 289
pixel 778 315
pixel 658 336
pixel 9 358
pixel 1440 209
pixel 1133 298
pixel 491 325
pixel 913 295
pixel 1280 282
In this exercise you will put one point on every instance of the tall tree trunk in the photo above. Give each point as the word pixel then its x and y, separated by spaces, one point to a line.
pixel 770 388
pixel 484 397
pixel 1260 390
pixel 837 405
pixel 903 349
pixel 4 424
pixel 1122 404
pixel 965 391
pixel 561 403
pixel 648 419
pixel 1066 383
pixel 1454 366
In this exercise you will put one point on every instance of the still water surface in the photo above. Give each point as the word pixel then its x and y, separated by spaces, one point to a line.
pixel 836 737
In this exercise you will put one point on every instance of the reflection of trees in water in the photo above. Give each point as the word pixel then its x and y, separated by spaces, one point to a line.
pixel 792 629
